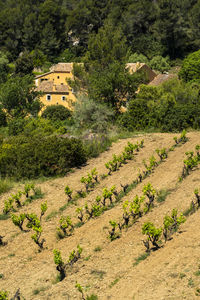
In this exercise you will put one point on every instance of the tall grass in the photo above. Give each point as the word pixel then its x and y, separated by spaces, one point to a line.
pixel 5 185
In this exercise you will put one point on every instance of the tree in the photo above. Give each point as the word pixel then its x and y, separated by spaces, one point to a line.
pixel 24 64
pixel 114 85
pixel 190 69
pixel 49 42
pixel 137 57
pixel 159 63
pixel 3 121
pixel 4 68
pixel 106 47
pixel 38 58
pixel 171 26
pixel 19 98
pixel 89 114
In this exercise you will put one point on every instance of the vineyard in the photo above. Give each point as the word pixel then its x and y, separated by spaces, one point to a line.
pixel 124 226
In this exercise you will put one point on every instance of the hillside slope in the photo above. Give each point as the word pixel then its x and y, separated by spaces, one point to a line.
pixel 106 268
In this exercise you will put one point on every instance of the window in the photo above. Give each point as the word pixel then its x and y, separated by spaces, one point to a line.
pixel 48 97
pixel 63 98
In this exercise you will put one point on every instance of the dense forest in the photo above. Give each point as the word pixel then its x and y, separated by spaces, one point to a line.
pixel 104 36
pixel 159 27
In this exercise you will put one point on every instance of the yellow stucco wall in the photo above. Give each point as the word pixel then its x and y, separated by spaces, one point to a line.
pixel 58 78
pixel 57 99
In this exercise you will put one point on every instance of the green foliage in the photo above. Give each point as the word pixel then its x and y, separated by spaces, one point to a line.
pixel 24 64
pixel 81 290
pixel 190 163
pixel 152 233
pixel 90 180
pixel 68 192
pixel 3 121
pixel 4 68
pixel 18 220
pixel 161 195
pixel 113 234
pixel 38 58
pixel 16 126
pixel 172 223
pixel 27 188
pixel 128 154
pixel 60 266
pixel 19 98
pixel 140 258
pixel 75 255
pixel 56 112
pixel 162 153
pixel 138 57
pixel 3 295
pixel 150 192
pixel 159 63
pixel 90 114
pixel 190 67
pixel 65 228
pixel 172 106
pixel 31 157
pixel 5 185
pixel 35 224
pixel 43 127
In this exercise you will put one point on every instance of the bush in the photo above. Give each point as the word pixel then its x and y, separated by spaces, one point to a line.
pixel 135 57
pixel 39 126
pixel 159 63
pixel 89 114
pixel 191 67
pixel 56 112
pixel 31 157
pixel 16 126
pixel 2 118
pixel 173 106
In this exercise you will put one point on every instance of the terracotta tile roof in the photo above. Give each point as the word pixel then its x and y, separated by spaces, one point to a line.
pixel 62 67
pixel 63 88
pixel 50 87
pixel 45 86
pixel 159 79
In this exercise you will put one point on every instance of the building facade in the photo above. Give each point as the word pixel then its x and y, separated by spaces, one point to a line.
pixel 54 86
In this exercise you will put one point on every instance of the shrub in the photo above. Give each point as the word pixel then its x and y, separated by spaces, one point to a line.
pixel 5 185
pixel 159 63
pixel 31 157
pixel 3 295
pixel 113 235
pixel 18 220
pixel 68 192
pixel 89 114
pixel 172 223
pixel 137 57
pixel 190 69
pixel 61 266
pixel 3 121
pixel 153 235
pixel 16 126
pixel 56 112
pixel 35 223
pixel 65 228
